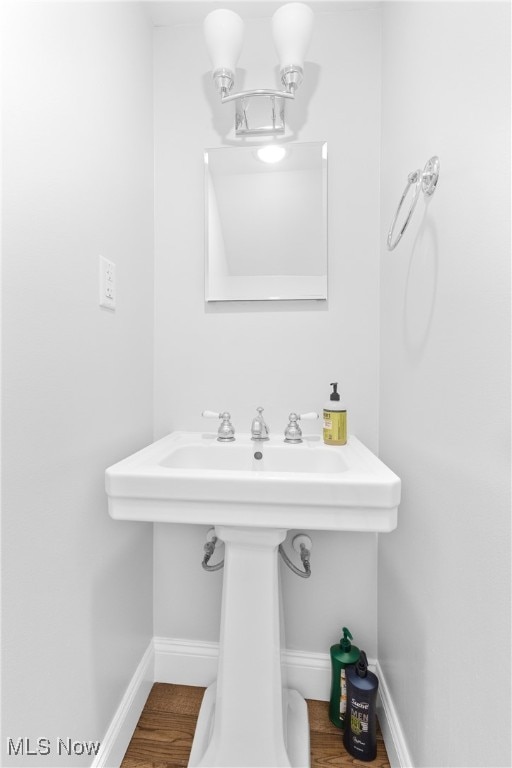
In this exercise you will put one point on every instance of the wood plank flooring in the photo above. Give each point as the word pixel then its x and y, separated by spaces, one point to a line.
pixel 164 733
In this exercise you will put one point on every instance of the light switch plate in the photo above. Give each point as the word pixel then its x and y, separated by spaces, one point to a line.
pixel 107 283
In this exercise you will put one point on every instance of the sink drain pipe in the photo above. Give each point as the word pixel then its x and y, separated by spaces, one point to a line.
pixel 301 544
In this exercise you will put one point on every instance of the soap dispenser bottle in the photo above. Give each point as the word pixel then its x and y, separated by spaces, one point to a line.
pixel 360 737
pixel 335 419
pixel 342 655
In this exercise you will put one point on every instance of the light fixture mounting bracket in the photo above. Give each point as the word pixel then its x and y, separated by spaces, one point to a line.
pixel 260 111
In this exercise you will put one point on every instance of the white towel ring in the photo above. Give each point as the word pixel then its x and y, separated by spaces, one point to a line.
pixel 427 181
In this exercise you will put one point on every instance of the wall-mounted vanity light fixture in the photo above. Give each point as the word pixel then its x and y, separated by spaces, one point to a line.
pixel 259 111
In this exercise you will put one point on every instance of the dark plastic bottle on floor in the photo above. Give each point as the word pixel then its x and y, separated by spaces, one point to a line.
pixel 342 654
pixel 360 737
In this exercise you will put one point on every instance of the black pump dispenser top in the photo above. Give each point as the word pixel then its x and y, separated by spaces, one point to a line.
pixel 362 665
pixel 334 394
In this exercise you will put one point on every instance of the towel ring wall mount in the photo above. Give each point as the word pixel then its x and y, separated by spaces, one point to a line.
pixel 426 181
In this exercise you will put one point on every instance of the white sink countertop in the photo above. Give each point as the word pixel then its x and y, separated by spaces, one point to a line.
pixel 191 477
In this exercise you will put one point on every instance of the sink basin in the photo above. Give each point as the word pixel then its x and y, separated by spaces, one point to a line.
pixel 190 477
pixel 268 457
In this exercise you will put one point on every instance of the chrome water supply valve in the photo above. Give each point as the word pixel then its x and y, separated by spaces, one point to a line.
pixel 209 549
pixel 302 544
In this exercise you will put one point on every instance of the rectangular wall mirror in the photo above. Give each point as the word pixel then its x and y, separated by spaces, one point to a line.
pixel 266 222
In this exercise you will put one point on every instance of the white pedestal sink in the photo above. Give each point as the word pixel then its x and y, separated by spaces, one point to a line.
pixel 247 718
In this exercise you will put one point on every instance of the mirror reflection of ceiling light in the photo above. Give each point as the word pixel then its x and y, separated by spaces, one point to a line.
pixel 272 153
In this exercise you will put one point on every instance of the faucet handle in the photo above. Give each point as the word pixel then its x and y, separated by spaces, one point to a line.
pixel 226 431
pixel 293 433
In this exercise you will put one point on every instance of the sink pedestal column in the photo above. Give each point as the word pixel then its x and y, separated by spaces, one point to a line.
pixel 247 718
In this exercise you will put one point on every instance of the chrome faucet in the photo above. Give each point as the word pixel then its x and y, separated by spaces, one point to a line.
pixel 259 429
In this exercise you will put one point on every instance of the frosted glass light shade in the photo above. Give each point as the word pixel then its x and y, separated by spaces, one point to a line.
pixel 292 25
pixel 224 34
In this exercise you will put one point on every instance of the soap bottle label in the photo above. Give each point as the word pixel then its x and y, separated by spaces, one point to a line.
pixel 335 427
pixel 343 692
pixel 358 723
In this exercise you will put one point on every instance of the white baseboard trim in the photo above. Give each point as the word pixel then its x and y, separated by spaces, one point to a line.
pixel 394 739
pixel 308 673
pixel 122 726
pixel 185 662
pixel 194 662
